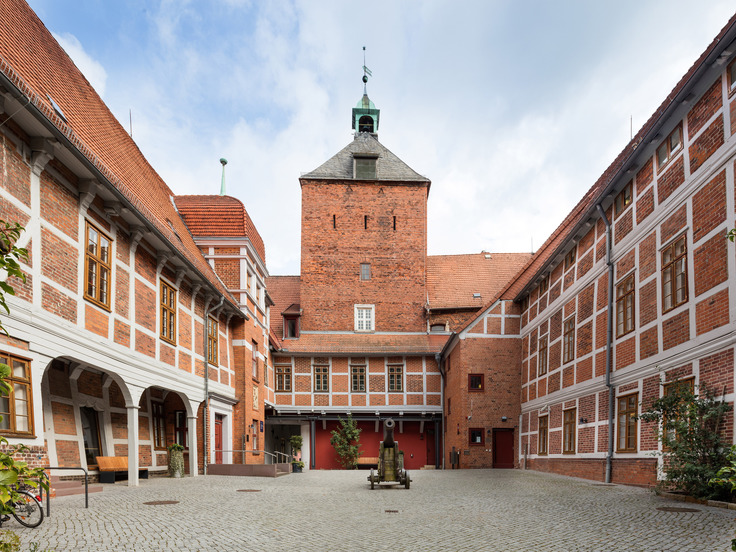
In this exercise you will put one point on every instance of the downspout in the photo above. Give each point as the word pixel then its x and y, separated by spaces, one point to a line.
pixel 207 376
pixel 609 341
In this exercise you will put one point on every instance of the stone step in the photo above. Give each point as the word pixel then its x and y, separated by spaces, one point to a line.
pixel 428 467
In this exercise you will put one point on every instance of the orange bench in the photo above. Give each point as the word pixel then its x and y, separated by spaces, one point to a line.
pixel 368 461
pixel 111 466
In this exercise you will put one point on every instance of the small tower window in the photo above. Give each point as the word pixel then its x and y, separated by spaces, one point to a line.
pixel 365 124
pixel 365 222
pixel 334 221
pixel 365 271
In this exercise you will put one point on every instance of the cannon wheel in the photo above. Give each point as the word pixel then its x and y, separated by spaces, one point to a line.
pixel 373 485
pixel 407 480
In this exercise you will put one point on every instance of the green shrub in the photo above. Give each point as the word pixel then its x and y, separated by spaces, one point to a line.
pixel 346 439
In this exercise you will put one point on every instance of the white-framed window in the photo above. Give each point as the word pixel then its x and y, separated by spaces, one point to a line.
pixel 364 318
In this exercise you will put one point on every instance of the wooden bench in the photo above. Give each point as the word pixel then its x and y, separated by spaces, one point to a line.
pixel 113 466
pixel 368 462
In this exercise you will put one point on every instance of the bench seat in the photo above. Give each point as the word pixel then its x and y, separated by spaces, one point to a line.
pixel 116 467
pixel 368 462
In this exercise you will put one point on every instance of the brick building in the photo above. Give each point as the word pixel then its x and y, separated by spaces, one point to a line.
pixel 122 339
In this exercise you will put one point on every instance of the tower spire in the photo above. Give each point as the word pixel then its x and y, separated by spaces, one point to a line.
pixel 365 114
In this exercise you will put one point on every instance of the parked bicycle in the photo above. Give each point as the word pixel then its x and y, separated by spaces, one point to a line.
pixel 26 510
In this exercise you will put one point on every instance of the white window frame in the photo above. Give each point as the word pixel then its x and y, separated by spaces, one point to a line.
pixel 361 321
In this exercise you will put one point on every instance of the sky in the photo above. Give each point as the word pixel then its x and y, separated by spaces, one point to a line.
pixel 512 109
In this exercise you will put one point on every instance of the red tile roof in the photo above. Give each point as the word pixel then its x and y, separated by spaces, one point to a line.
pixel 452 280
pixel 34 63
pixel 284 290
pixel 219 216
pixel 383 344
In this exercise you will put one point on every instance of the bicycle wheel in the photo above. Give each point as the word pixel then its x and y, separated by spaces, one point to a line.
pixel 28 510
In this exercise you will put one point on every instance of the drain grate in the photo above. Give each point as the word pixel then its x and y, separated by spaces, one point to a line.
pixel 249 490
pixel 676 509
pixel 391 511
pixel 161 502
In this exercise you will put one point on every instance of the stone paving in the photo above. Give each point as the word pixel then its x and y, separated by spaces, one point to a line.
pixel 321 511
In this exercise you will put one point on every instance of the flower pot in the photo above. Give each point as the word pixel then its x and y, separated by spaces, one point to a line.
pixel 176 463
pixel 296 468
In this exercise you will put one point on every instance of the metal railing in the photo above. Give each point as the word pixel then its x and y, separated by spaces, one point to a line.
pixel 280 454
pixel 48 494
pixel 243 451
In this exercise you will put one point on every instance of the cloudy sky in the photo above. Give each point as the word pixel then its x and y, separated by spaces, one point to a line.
pixel 512 108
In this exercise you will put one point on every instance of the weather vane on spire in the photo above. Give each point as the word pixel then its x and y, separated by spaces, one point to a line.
pixel 366 73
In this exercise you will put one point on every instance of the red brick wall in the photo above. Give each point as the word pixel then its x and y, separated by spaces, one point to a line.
pixel 331 257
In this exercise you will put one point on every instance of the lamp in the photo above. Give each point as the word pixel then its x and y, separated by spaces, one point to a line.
pixel 583 420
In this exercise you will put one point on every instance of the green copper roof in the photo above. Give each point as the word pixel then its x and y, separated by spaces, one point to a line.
pixel 365 103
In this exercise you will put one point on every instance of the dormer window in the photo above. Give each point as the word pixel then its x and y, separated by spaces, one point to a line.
pixel 291 327
pixel 364 167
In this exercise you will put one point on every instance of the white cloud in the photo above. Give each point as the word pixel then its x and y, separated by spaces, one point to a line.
pixel 90 68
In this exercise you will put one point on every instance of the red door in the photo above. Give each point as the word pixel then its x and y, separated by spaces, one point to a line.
pixel 431 454
pixel 503 448
pixel 218 438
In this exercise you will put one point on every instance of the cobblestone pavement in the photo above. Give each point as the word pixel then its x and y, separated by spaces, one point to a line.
pixel 501 510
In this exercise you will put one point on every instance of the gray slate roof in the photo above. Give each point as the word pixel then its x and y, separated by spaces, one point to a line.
pixel 388 166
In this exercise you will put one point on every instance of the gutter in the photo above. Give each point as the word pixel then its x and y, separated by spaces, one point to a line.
pixel 609 341
pixel 207 377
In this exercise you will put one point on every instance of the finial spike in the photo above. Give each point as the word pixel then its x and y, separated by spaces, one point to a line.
pixel 366 73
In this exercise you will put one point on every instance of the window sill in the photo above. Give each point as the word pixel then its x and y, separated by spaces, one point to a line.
pixel 476 444
pixel 12 435
pixel 97 303
pixel 476 390
pixel 283 390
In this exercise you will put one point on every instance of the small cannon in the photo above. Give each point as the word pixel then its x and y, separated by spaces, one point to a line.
pixel 390 460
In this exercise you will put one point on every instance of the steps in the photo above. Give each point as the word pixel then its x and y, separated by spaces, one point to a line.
pixel 70 487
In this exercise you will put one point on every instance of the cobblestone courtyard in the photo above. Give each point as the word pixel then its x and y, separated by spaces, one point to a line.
pixel 322 511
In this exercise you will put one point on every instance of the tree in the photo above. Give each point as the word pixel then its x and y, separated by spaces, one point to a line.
pixel 690 426
pixel 9 257
pixel 345 439
pixel 13 473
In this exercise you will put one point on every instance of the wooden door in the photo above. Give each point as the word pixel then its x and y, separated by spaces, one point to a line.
pixel 218 438
pixel 503 448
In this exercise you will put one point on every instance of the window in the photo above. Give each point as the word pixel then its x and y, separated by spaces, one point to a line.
pixel 437 328
pixel 542 356
pixel 544 285
pixel 395 377
pixel 168 313
pixel 732 77
pixel 97 267
pixel 365 168
pixel 357 378
pixel 627 423
pixel 543 434
pixel 283 377
pixel 254 442
pixel 570 258
pixel 365 271
pixel 16 407
pixel 686 387
pixel 622 201
pixel 212 335
pixel 625 306
pixel 475 382
pixel 363 318
pixel 254 356
pixel 476 436
pixel 291 327
pixel 321 378
pixel 568 343
pixel 670 147
pixel 158 420
pixel 181 430
pixel 674 274
pixel 568 431
pixel 248 281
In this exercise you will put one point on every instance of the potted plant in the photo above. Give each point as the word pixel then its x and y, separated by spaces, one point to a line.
pixel 296 443
pixel 176 460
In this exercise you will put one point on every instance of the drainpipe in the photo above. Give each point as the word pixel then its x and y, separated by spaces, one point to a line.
pixel 609 341
pixel 207 376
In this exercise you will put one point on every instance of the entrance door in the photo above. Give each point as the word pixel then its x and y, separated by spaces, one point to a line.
pixel 503 448
pixel 431 449
pixel 91 434
pixel 218 438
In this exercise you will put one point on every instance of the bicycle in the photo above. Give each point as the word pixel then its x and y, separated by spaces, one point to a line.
pixel 26 510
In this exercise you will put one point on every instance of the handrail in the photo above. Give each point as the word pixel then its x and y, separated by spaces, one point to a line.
pixel 48 494
pixel 279 453
pixel 245 450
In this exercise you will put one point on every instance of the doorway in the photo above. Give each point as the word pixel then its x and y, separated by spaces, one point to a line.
pixel 218 438
pixel 503 448
pixel 91 433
